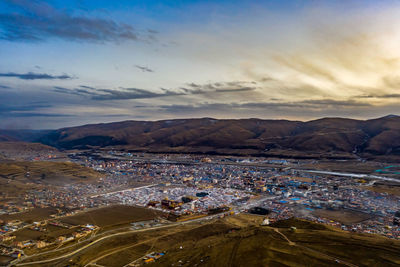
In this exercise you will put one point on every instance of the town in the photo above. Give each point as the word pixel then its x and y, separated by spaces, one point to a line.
pixel 190 187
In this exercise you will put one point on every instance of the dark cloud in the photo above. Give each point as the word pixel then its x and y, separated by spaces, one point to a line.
pixel 387 96
pixel 144 69
pixel 38 21
pixel 87 87
pixel 35 76
pixel 131 93
pixel 7 108
pixel 33 114
pixel 235 90
pixel 27 110
pixel 137 93
pixel 77 91
pixel 114 94
pixel 4 87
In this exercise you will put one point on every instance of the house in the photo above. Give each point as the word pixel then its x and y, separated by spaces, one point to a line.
pixel 41 244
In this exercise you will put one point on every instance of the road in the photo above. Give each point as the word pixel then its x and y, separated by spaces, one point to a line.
pixel 112 251
pixel 72 245
pixel 252 204
pixel 351 175
pixel 124 190
pixel 291 243
pixel 72 253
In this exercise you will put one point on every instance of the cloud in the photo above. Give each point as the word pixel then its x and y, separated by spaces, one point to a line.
pixel 38 21
pixel 33 114
pixel 114 94
pixel 298 106
pixel 131 93
pixel 78 91
pixel 335 103
pixel 219 87
pixel 144 69
pixel 35 76
pixel 4 87
pixel 293 110
pixel 152 31
pixel 385 96
pixel 243 89
pixel 137 93
pixel 27 110
pixel 7 108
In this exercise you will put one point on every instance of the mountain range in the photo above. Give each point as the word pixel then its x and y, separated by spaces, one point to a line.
pixel 328 137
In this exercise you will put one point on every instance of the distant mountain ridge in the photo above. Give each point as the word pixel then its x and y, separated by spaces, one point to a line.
pixel 21 135
pixel 242 136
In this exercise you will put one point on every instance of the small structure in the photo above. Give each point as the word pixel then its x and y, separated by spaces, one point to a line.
pixel 265 222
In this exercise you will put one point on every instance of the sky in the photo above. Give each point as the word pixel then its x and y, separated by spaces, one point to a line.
pixel 67 63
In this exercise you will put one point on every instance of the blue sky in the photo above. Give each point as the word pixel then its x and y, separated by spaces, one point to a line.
pixel 67 63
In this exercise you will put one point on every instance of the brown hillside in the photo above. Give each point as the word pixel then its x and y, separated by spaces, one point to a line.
pixel 331 135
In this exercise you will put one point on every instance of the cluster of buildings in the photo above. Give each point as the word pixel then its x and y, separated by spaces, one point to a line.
pixel 46 238
pixel 192 185
pixel 180 199
pixel 300 198
pixel 13 207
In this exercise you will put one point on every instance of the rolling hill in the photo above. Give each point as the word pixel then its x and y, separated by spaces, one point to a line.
pixel 311 244
pixel 336 137
pixel 239 240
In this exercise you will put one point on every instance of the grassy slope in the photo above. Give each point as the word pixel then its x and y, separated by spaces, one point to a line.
pixel 253 245
pixel 46 172
pixel 14 181
pixel 113 215
pixel 240 241
pixel 247 136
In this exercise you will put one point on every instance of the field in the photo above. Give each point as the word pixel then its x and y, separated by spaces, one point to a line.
pixel 27 234
pixel 17 177
pixel 112 215
pixel 343 216
pixel 390 188
pixel 45 172
pixel 351 166
pixel 26 151
pixel 302 179
pixel 36 214
pixel 12 190
pixel 107 218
